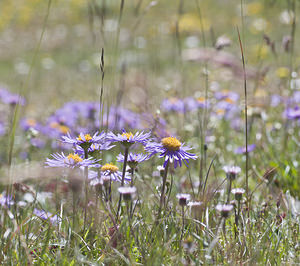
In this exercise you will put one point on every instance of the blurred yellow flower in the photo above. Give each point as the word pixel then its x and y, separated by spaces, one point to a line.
pixel 282 72
pixel 25 15
pixel 260 93
pixel 254 8
pixel 78 3
pixel 6 14
pixel 190 23
pixel 259 52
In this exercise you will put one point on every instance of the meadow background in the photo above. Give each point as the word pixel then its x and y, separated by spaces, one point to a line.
pixel 170 67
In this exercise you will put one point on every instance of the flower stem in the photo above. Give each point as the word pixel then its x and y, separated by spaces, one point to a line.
pixel 163 190
pixel 86 177
pixel 132 176
pixel 182 230
pixel 237 216
pixel 123 179
pixel 229 189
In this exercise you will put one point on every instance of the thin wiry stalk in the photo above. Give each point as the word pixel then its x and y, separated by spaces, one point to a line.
pixel 182 229
pixel 162 195
pixel 119 24
pixel 139 16
pixel 86 185
pixel 205 114
pixel 246 118
pixel 293 33
pixel 101 13
pixel 170 190
pixel 120 93
pixel 242 20
pixel 101 88
pixel 91 20
pixel 207 174
pixel 177 33
pixel 229 189
pixel 137 8
pixel 123 179
pixel 132 177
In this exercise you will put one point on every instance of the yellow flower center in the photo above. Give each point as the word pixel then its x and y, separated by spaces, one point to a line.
pixel 127 135
pixel 220 111
pixel 75 157
pixel 283 72
pixel 109 167
pixel 171 143
pixel 54 125
pixel 225 91
pixel 86 136
pixel 31 122
pixel 229 100
pixel 201 99
pixel 64 129
pixel 173 100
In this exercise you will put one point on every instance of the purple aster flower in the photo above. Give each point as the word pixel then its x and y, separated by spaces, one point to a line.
pixel 293 113
pixel 232 171
pixel 37 143
pixel 192 104
pixel 112 171
pixel 226 94
pixel 227 105
pixel 275 100
pixel 93 174
pixel 6 201
pixel 84 140
pixel 172 150
pixel 11 98
pixel 65 117
pixel 127 138
pixel 96 180
pixel 28 123
pixel 119 117
pixel 296 96
pixel 133 159
pixel 54 129
pixel 71 161
pixel 242 150
pixel 173 104
pixel 54 219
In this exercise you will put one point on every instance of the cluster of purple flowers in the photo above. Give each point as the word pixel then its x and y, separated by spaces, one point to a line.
pixel 77 117
pixel 225 106
pixel 85 145
pixel 187 104
pixel 83 141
